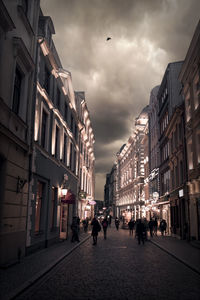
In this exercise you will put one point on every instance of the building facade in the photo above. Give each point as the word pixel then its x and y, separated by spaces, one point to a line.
pixel 44 134
pixel 190 79
pixel 154 152
pixel 169 96
pixel 18 25
pixel 86 190
pixel 178 192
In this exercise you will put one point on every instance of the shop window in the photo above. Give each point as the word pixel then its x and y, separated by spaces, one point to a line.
pixel 38 205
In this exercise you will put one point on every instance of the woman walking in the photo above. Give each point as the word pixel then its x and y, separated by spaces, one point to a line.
pixel 95 229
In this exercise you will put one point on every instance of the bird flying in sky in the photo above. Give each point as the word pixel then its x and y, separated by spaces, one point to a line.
pixel 108 38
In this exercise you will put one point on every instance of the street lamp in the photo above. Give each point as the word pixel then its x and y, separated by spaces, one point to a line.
pixel 64 188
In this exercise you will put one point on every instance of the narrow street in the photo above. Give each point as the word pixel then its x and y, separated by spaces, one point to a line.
pixel 117 268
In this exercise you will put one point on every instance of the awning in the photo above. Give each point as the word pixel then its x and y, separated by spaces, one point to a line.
pixel 92 202
pixel 70 198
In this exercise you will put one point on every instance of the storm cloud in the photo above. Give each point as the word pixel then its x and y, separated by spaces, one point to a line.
pixel 118 75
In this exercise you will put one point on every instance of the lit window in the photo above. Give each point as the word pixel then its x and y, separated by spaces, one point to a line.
pixel 196 91
pixel 190 154
pixel 188 107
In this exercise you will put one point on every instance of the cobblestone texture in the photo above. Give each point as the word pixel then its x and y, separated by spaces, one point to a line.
pixel 118 268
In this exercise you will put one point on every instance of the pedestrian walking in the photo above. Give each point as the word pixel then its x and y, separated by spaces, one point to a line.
pixel 109 220
pixel 163 227
pixel 131 225
pixel 117 222
pixel 140 231
pixel 145 228
pixel 105 226
pixel 74 228
pixel 155 226
pixel 96 227
pixel 85 225
pixel 151 224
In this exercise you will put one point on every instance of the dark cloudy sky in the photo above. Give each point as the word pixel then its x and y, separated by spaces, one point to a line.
pixel 117 76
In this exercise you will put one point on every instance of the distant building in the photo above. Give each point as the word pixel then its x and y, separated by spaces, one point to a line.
pixel 190 79
pixel 130 172
pixel 110 191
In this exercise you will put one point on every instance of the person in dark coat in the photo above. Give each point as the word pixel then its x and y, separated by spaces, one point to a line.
pixel 117 222
pixel 151 224
pixel 131 226
pixel 74 228
pixel 163 226
pixel 96 227
pixel 155 226
pixel 140 231
pixel 105 226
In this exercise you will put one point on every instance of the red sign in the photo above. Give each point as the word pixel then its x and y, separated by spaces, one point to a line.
pixel 70 198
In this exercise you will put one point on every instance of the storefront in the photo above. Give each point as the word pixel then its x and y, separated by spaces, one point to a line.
pixel 66 209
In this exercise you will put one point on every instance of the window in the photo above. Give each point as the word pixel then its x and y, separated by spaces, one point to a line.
pixel 196 91
pixel 190 154
pixel 17 91
pixel 58 98
pixel 188 107
pixel 47 80
pixel 76 132
pixel 71 156
pixel 180 132
pixel 66 112
pixel 177 177
pixel 198 144
pixel 53 203
pixel 65 149
pixel 181 172
pixel 38 205
pixel 165 178
pixel 172 179
pixel 25 6
pixel 74 166
pixel 72 123
pixel 44 129
pixel 57 142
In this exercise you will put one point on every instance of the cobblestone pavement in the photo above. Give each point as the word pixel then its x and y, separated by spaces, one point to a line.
pixel 20 276
pixel 117 268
